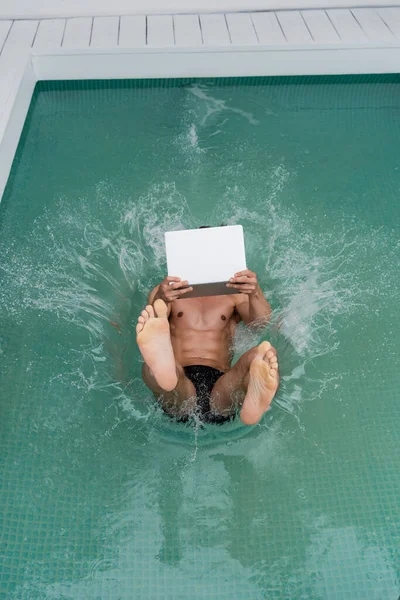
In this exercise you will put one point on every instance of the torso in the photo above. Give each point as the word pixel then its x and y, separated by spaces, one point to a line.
pixel 202 330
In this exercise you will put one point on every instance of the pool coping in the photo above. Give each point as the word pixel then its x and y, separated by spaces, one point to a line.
pixel 28 64
pixel 40 9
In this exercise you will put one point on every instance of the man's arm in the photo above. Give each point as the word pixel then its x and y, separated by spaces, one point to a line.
pixel 170 289
pixel 154 294
pixel 252 306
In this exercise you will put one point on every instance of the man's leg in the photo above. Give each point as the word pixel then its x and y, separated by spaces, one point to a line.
pixel 161 373
pixel 252 382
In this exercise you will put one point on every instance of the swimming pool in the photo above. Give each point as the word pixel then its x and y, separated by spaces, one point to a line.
pixel 103 496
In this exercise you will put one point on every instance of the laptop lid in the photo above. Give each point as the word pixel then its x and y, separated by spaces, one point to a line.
pixel 207 258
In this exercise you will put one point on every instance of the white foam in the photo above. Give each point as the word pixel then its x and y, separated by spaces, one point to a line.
pixel 216 105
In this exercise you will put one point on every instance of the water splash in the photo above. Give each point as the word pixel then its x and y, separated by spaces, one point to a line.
pixel 98 280
pixel 188 141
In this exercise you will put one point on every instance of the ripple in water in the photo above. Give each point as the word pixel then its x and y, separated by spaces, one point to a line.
pixel 96 268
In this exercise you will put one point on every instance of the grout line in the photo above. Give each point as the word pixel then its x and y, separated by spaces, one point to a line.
pixel 227 26
pixel 173 29
pixel 63 35
pixel 119 30
pixel 383 21
pixel 91 32
pixel 254 27
pixel 280 25
pixel 305 23
pixel 36 32
pixel 358 23
pixel 201 30
pixel 333 25
pixel 6 38
pixel 146 31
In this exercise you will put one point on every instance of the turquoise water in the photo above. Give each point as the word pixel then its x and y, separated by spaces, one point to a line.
pixel 101 495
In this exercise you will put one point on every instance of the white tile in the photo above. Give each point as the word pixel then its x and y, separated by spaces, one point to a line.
pixel 268 28
pixel 320 26
pixel 50 33
pixel 13 62
pixel 105 32
pixel 21 36
pixel 372 24
pixel 346 25
pixel 132 31
pixel 391 16
pixel 77 32
pixel 214 30
pixel 241 29
pixel 294 28
pixel 187 30
pixel 160 30
pixel 5 27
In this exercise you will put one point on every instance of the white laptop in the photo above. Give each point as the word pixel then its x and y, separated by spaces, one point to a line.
pixel 207 258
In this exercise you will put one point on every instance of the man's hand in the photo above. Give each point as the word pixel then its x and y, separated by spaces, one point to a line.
pixel 245 282
pixel 255 310
pixel 172 288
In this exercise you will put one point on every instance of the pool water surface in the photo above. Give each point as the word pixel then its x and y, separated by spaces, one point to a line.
pixel 101 495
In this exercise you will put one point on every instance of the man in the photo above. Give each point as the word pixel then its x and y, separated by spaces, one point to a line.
pixel 186 344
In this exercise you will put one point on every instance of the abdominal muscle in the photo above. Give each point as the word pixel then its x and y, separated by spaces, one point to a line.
pixel 209 348
pixel 202 330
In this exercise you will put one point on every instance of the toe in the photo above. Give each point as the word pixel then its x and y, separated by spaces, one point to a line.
pixel 264 347
pixel 273 372
pixel 161 308
pixel 270 355
pixel 141 320
pixel 145 315
pixel 150 310
pixel 139 327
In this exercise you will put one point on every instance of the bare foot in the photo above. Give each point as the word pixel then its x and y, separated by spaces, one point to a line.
pixel 154 341
pixel 263 383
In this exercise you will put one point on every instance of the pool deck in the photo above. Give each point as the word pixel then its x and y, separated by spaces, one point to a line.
pixel 339 40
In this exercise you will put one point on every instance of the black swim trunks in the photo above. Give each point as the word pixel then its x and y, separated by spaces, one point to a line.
pixel 204 378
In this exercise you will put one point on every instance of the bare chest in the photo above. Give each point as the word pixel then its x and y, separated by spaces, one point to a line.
pixel 203 314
